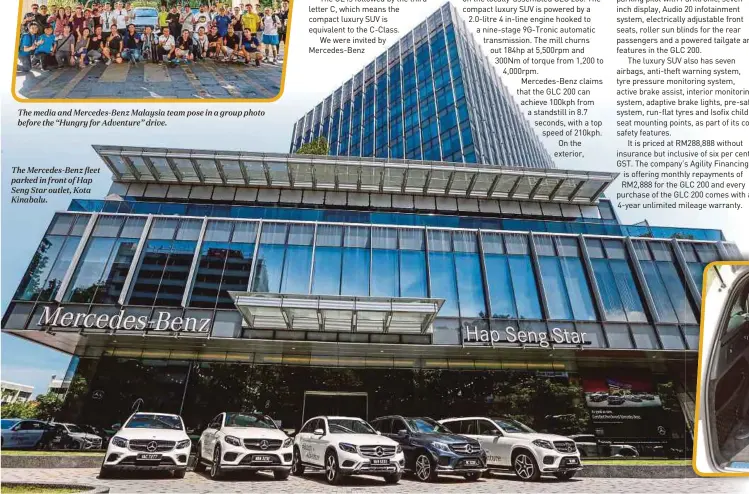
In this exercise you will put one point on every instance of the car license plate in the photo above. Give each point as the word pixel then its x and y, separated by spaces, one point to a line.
pixel 572 461
pixel 471 463
pixel 380 461
pixel 148 456
pixel 262 459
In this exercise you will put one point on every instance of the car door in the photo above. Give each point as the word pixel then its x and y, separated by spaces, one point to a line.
pixel 30 432
pixel 397 426
pixel 303 440
pixel 494 442
pixel 319 442
pixel 209 436
pixel 12 437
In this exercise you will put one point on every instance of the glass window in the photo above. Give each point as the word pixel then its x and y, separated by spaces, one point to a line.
pixel 512 283
pixel 671 338
pixel 165 265
pixel 284 259
pixel 326 279
pixel 565 283
pixel 618 335
pixel 442 276
pixel 644 336
pixel 355 280
pixel 664 282
pixel 619 294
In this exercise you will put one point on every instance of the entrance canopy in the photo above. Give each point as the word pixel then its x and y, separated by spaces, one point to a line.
pixel 337 313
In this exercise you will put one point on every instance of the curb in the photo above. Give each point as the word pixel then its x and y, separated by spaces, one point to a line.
pixel 637 471
pixel 84 488
pixel 52 461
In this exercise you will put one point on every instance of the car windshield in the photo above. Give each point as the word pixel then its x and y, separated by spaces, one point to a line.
pixel 427 425
pixel 349 426
pixel 145 12
pixel 249 420
pixel 73 428
pixel 513 426
pixel 7 423
pixel 155 421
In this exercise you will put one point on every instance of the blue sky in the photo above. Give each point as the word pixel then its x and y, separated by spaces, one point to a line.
pixel 25 362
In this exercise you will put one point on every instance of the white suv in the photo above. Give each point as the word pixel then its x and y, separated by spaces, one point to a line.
pixel 244 441
pixel 511 445
pixel 148 441
pixel 346 446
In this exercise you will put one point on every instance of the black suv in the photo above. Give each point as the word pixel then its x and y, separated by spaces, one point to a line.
pixel 431 448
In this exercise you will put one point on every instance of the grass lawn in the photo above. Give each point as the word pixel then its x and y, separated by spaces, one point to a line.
pixel 37 489
pixel 21 452
pixel 639 463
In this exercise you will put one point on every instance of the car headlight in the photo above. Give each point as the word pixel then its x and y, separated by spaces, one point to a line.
pixel 398 449
pixel 234 441
pixel 347 447
pixel 287 442
pixel 120 442
pixel 183 444
pixel 440 446
pixel 542 443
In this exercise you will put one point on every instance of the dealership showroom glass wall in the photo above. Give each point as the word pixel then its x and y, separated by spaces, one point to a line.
pixel 413 271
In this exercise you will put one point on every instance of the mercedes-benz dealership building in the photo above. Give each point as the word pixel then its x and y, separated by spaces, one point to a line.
pixel 451 282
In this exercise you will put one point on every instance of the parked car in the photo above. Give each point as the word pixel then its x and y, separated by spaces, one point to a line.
pixel 22 434
pixel 70 436
pixel 346 446
pixel 244 441
pixel 588 445
pixel 511 445
pixel 430 448
pixel 615 400
pixel 148 441
pixel 92 429
pixel 146 16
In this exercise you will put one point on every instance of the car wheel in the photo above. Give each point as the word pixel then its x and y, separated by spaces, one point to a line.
pixel 199 466
pixel 473 476
pixel 216 464
pixel 281 474
pixel 564 475
pixel 393 478
pixel 525 466
pixel 332 473
pixel 297 468
pixel 424 468
pixel 180 474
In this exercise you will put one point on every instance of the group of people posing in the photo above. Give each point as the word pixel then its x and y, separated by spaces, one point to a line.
pixel 105 33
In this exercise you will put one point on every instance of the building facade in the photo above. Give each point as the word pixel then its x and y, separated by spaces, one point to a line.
pixel 15 393
pixel 297 284
pixel 432 96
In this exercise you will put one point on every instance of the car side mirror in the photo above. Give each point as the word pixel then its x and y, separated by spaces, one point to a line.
pixel 402 433
pixel 319 432
pixel 495 432
pixel 378 433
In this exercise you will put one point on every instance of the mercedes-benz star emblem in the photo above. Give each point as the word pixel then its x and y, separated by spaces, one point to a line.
pixel 379 451
pixel 152 446
pixel 264 444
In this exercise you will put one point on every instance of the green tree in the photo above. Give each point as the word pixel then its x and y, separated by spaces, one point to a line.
pixel 315 146
pixel 48 406
pixel 20 410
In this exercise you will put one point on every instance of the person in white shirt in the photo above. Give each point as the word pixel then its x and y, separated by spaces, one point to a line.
pixel 166 46
pixel 105 17
pixel 201 46
pixel 201 19
pixel 120 17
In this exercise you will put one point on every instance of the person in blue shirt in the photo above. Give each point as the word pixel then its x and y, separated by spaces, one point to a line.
pixel 250 48
pixel 131 45
pixel 29 43
pixel 46 50
pixel 222 22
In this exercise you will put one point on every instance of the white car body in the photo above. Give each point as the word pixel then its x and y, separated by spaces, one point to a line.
pixel 84 440
pixel 244 447
pixel 23 434
pixel 361 453
pixel 503 447
pixel 149 447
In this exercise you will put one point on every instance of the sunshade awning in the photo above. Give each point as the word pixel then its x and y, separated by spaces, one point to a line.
pixel 343 173
pixel 337 313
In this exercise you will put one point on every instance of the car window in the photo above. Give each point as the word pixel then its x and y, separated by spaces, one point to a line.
pixel 154 421
pixel 349 426
pixel 74 428
pixel 308 426
pixel 422 424
pixel 7 423
pixel 513 426
pixel 249 420
pixel 31 426
pixel 397 425
pixel 216 422
pixel 486 428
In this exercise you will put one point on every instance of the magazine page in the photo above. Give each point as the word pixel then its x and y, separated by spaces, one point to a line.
pixel 334 245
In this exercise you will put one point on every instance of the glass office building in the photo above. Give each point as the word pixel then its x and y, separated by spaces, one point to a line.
pixel 210 280
pixel 432 95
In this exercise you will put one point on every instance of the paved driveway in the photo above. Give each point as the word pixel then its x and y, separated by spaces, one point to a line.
pixel 205 80
pixel 315 483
